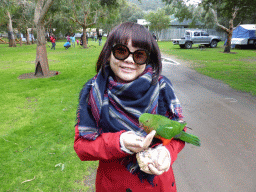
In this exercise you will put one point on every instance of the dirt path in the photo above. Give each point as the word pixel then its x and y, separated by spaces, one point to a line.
pixel 225 121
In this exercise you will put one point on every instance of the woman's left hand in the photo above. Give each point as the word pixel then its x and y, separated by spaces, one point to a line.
pixel 154 161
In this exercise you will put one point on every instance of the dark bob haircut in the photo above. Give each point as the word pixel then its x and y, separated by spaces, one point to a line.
pixel 140 37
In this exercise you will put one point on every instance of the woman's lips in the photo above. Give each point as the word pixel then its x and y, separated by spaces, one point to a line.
pixel 127 69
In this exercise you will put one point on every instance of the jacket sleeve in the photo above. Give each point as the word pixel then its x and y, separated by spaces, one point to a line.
pixel 174 147
pixel 105 147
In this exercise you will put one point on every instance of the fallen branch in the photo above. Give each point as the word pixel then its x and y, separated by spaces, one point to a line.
pixel 28 180
pixel 62 166
pixel 26 149
pixel 5 140
pixel 8 141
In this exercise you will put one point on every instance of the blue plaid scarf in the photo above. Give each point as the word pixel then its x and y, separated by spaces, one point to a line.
pixel 108 106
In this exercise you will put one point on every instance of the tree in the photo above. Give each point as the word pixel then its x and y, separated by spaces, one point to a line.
pixel 179 8
pixel 204 16
pixel 8 7
pixel 23 18
pixel 28 9
pixel 112 17
pixel 230 10
pixel 61 24
pixel 130 12
pixel 158 21
pixel 125 11
pixel 148 5
pixel 183 11
pixel 88 12
pixel 41 67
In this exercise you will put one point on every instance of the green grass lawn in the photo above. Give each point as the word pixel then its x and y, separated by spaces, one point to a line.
pixel 38 115
pixel 237 69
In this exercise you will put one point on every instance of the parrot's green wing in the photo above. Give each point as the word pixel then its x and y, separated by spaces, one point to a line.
pixel 164 126
pixel 168 131
pixel 167 128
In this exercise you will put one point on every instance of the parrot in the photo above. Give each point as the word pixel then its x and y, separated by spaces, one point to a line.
pixel 166 129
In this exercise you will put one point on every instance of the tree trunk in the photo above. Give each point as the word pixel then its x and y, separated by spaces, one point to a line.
pixel 27 35
pixel 229 32
pixel 42 67
pixel 228 44
pixel 32 35
pixel 11 37
pixel 20 40
pixel 84 38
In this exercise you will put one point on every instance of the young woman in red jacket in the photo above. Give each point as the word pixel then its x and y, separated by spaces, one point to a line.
pixel 128 83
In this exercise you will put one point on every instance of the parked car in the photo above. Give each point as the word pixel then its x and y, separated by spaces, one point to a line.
pixel 197 37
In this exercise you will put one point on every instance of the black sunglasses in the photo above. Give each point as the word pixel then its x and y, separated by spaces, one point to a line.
pixel 121 52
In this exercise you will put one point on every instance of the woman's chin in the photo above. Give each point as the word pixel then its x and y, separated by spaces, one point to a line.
pixel 126 78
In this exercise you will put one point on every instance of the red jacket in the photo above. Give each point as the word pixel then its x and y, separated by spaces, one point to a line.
pixel 114 177
pixel 52 39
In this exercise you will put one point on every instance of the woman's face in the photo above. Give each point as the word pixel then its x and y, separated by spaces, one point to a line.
pixel 127 70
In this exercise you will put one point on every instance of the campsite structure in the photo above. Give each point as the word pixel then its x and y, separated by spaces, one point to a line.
pixel 244 35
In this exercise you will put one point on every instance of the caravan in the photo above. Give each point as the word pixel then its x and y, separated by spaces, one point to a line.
pixel 244 35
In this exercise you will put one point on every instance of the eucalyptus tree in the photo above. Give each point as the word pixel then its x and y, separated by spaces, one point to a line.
pixel 7 9
pixel 61 22
pixel 124 11
pixel 41 9
pixel 27 15
pixel 85 13
pixel 112 18
pixel 234 11
pixel 179 9
pixel 205 16
pixel 130 12
pixel 88 12
pixel 23 18
pixel 158 21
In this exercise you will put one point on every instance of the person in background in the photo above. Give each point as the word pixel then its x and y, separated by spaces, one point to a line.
pixel 100 39
pixel 128 83
pixel 68 38
pixel 81 39
pixel 73 40
pixel 154 36
pixel 67 45
pixel 53 41
pixel 95 37
pixel 87 37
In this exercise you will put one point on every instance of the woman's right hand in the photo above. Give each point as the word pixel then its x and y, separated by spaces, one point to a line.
pixel 135 143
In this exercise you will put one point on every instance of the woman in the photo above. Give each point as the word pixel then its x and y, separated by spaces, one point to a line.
pixel 128 83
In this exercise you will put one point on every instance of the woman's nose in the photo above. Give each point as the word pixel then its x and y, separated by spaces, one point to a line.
pixel 129 59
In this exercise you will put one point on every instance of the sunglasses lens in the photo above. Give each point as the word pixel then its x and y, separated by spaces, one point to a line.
pixel 120 52
pixel 140 56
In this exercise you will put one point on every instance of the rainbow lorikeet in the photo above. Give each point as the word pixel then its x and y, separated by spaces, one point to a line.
pixel 166 129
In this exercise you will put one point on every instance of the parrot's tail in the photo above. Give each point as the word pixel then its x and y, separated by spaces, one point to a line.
pixel 189 138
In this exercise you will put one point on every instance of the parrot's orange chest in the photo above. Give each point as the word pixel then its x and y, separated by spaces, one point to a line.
pixel 148 130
